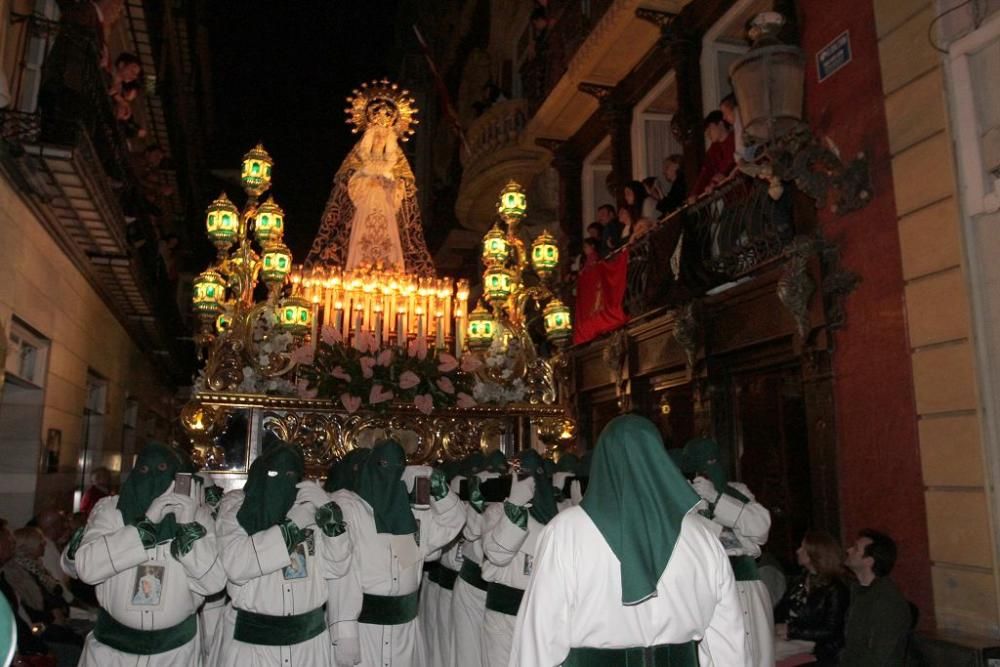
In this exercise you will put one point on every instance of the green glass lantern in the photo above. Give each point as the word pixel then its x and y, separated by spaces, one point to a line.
pixel 513 202
pixel 256 175
pixel 496 250
pixel 558 323
pixel 276 263
pixel 222 222
pixel 270 225
pixel 209 293
pixel 481 327
pixel 294 315
pixel 544 254
pixel 223 323
pixel 498 283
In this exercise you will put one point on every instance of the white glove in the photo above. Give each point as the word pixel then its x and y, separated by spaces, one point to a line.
pixel 347 652
pixel 705 488
pixel 410 473
pixel 559 479
pixel 162 505
pixel 185 508
pixel 575 492
pixel 456 484
pixel 312 493
pixel 302 514
pixel 521 491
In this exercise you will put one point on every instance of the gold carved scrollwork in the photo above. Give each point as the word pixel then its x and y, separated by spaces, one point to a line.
pixel 321 436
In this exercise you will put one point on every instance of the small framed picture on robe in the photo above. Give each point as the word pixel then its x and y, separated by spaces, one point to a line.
pixel 147 591
pixel 299 566
pixel 529 562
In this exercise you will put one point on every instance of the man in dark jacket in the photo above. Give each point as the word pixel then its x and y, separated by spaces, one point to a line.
pixel 879 618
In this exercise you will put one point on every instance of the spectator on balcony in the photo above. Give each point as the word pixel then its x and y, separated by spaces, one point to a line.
pixel 127 69
pixel 591 252
pixel 642 227
pixel 731 114
pixel 640 203
pixel 809 619
pixel 617 232
pixel 676 189
pixel 719 160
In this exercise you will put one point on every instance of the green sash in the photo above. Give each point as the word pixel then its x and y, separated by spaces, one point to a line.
pixel 122 638
pixel 472 574
pixel 504 599
pixel 744 568
pixel 431 569
pixel 266 630
pixel 447 577
pixel 664 655
pixel 389 609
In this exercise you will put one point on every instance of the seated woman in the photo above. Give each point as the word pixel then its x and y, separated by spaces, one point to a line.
pixel 809 620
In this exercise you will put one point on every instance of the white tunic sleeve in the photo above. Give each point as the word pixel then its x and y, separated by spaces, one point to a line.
pixel 346 593
pixel 473 529
pixel 751 520
pixel 723 643
pixel 446 518
pixel 108 546
pixel 246 557
pixel 206 575
pixel 546 604
pixel 502 539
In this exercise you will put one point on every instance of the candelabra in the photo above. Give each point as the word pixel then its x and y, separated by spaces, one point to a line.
pixel 507 290
pixel 239 331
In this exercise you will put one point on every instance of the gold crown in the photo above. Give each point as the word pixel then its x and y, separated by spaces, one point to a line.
pixel 382 103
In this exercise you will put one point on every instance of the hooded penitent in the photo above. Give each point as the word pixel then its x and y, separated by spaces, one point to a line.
pixel 151 476
pixel 702 457
pixel 270 489
pixel 543 504
pixel 568 463
pixel 380 484
pixel 344 472
pixel 496 462
pixel 637 498
pixel 473 463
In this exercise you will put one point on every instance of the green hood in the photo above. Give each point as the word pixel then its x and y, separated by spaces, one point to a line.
pixel 153 472
pixel 380 484
pixel 270 489
pixel 344 472
pixel 701 456
pixel 496 462
pixel 473 463
pixel 568 463
pixel 543 504
pixel 637 498
pixel 451 469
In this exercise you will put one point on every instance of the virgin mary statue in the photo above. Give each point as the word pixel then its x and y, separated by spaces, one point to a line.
pixel 372 219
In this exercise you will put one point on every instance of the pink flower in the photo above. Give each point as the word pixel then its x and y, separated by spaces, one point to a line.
pixel 447 363
pixel 331 336
pixel 365 342
pixel 465 401
pixel 379 395
pixel 302 387
pixel 424 403
pixel 350 403
pixel 302 355
pixel 339 373
pixel 418 348
pixel 408 380
pixel 470 362
pixel 385 357
pixel 367 366
pixel 445 385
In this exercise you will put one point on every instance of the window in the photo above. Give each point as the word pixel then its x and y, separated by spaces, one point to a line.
pixel 652 139
pixel 27 355
pixel 974 69
pixel 596 169
pixel 92 436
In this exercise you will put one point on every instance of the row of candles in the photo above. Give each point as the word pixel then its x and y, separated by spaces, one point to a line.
pixel 392 306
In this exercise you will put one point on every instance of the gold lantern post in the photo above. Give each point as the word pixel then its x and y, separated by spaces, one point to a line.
pixel 234 325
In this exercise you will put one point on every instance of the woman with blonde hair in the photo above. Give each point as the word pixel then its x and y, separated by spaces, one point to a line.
pixel 810 618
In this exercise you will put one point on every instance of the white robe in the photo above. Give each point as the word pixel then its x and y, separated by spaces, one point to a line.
pixel 574 599
pixel 440 650
pixel 388 565
pixel 256 565
pixel 468 603
pixel 109 557
pixel 509 560
pixel 749 523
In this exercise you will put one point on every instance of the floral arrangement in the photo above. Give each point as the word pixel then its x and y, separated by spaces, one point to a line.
pixel 362 374
pixel 501 359
pixel 268 340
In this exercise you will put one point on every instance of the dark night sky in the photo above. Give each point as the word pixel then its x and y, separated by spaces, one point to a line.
pixel 281 72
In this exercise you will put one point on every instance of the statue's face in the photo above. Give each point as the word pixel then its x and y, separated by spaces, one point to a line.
pixel 382 113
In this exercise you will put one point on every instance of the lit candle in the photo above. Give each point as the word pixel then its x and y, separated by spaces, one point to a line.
pixel 459 334
pixel 338 309
pixel 315 322
pixel 401 327
pixel 420 321
pixel 439 325
pixel 358 316
pixel 378 325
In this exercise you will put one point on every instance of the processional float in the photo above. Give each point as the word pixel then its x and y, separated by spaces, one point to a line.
pixel 364 341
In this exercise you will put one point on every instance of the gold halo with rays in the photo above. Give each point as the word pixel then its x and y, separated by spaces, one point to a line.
pixel 388 95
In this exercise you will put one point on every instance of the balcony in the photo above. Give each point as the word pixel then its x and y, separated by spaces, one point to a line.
pixel 494 157
pixel 73 165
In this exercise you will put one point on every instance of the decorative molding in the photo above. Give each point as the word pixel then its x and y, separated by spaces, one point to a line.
pixel 838 283
pixel 795 287
pixel 687 331
pixel 662 20
pixel 598 91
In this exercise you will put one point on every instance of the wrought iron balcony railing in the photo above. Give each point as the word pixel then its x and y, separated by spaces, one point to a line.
pixel 499 126
pixel 737 230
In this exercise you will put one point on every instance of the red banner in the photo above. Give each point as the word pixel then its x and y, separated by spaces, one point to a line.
pixel 600 293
